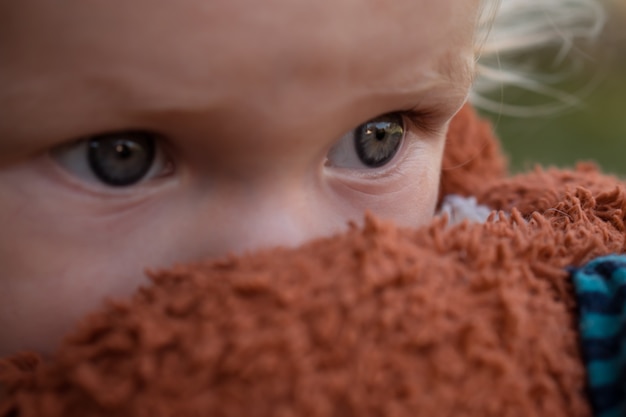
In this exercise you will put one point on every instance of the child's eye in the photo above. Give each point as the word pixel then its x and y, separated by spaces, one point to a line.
pixel 119 159
pixel 371 145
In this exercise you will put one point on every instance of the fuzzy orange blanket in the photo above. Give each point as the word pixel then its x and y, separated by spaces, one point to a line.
pixel 476 319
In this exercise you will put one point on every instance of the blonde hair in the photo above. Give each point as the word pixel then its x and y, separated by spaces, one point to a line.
pixel 508 30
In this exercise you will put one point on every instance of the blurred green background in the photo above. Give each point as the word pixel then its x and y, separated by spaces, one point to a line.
pixel 594 130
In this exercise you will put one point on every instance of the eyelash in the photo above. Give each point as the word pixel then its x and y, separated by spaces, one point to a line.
pixel 427 121
pixel 370 149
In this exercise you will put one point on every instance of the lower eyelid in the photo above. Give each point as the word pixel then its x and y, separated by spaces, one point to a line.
pixel 395 179
pixel 391 170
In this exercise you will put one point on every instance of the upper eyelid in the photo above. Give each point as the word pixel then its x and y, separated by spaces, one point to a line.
pixel 427 121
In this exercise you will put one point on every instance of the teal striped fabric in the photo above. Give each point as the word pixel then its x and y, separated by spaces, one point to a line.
pixel 601 292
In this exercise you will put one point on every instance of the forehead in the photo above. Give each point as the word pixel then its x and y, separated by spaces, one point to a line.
pixel 203 52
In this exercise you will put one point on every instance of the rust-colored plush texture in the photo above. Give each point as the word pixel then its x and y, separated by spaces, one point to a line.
pixel 471 320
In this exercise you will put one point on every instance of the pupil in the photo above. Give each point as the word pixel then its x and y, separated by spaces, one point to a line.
pixel 121 159
pixel 378 140
pixel 123 150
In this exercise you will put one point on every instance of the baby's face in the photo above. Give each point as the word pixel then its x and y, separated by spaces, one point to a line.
pixel 142 133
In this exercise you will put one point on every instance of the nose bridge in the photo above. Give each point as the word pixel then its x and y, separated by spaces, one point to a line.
pixel 284 213
pixel 263 214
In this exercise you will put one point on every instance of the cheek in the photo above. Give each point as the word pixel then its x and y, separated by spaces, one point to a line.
pixel 411 206
pixel 61 258
pixel 58 263
pixel 52 276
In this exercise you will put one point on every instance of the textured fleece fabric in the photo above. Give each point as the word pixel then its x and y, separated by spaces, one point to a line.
pixel 464 320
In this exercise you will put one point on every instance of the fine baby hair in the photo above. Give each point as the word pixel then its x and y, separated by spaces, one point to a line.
pixel 509 32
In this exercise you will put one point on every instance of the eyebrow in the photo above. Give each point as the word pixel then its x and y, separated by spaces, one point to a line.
pixel 443 86
pixel 35 113
pixel 446 86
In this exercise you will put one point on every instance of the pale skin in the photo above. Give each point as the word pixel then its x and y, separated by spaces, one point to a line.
pixel 252 110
